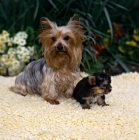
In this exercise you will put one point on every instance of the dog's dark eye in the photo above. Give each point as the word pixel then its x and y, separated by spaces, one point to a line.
pixel 104 85
pixel 53 39
pixel 66 38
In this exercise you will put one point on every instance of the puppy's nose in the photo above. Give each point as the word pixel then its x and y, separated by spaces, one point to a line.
pixel 110 90
pixel 60 47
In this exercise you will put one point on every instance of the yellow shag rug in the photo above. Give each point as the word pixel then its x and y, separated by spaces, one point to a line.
pixel 32 118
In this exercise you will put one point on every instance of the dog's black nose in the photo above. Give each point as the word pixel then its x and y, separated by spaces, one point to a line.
pixel 60 47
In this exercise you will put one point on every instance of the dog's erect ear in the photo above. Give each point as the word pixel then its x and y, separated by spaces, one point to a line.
pixel 92 80
pixel 74 21
pixel 46 24
pixel 74 25
pixel 75 18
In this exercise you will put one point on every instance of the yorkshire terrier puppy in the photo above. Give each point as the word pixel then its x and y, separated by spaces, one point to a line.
pixel 56 72
pixel 93 89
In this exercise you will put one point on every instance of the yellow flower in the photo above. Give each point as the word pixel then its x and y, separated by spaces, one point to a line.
pixel 103 47
pixel 108 31
pixel 106 40
pixel 136 37
pixel 121 49
pixel 135 31
pixel 131 43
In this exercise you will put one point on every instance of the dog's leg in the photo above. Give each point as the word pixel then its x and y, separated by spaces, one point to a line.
pixel 101 101
pixel 86 102
pixel 85 106
pixel 69 92
pixel 19 89
pixel 49 93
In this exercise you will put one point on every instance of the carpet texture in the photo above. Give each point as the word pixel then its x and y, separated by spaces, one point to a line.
pixel 32 118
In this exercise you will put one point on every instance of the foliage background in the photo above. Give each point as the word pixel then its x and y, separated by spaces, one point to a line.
pixel 109 24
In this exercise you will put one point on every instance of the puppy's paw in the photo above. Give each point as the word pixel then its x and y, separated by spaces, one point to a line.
pixel 85 106
pixel 105 105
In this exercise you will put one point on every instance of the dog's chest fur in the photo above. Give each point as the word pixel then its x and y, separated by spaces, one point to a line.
pixel 61 79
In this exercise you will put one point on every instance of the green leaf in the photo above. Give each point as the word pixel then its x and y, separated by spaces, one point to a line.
pixel 3 13
pixel 100 10
pixel 37 8
pixel 53 4
pixel 29 30
pixel 109 23
pixel 123 65
pixel 118 5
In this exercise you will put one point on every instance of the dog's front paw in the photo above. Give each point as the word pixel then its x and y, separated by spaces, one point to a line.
pixel 53 102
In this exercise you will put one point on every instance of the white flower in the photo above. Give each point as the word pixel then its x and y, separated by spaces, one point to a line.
pixel 31 49
pixel 22 42
pixel 17 55
pixel 5 33
pixel 9 62
pixel 16 64
pixel 19 49
pixel 22 50
pixel 22 35
pixel 25 58
pixel 11 53
pixel 4 58
pixel 2 48
pixel 16 40
pixel 19 41
pixel 13 72
pixel 2 70
pixel 3 39
pixel 23 54
pixel 10 41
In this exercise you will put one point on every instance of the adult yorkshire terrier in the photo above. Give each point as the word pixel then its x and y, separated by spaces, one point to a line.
pixel 56 72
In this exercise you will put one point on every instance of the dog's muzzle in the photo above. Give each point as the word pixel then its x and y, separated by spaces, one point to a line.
pixel 60 47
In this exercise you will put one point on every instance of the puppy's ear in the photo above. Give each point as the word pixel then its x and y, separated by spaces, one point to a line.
pixel 92 80
pixel 104 71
